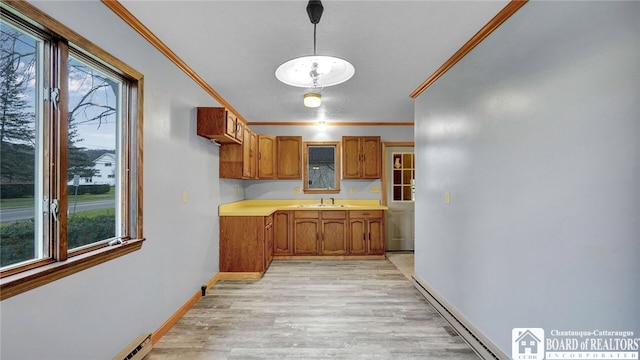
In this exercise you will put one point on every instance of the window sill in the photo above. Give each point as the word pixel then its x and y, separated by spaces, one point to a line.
pixel 31 279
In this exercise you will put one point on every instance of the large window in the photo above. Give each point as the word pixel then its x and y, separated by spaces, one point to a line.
pixel 66 113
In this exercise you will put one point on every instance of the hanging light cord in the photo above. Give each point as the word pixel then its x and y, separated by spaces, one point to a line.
pixel 314 39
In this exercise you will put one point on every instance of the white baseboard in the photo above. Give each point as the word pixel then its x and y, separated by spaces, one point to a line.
pixel 478 342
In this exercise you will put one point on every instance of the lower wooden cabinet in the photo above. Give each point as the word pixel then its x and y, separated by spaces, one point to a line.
pixel 246 243
pixel 337 232
pixel 306 233
pixel 283 233
pixel 366 232
pixel 333 237
pixel 249 243
pixel 320 232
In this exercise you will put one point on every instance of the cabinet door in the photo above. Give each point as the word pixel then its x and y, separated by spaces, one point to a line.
pixel 376 236
pixel 253 155
pixel 282 234
pixel 358 237
pixel 334 237
pixel 268 247
pixel 246 155
pixel 371 157
pixel 351 157
pixel 289 152
pixel 239 133
pixel 242 243
pixel 266 157
pixel 306 236
pixel 230 124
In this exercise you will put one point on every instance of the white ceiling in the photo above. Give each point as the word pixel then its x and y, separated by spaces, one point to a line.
pixel 236 46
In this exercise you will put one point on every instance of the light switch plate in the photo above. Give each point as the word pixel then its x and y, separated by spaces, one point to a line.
pixel 375 189
pixel 184 196
pixel 447 198
pixel 296 190
pixel 353 190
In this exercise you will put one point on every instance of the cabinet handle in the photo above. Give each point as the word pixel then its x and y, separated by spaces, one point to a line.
pixel 369 236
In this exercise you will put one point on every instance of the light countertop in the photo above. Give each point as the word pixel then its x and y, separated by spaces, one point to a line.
pixel 267 207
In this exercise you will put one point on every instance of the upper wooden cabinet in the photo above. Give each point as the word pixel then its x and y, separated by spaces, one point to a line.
pixel 220 124
pixel 361 157
pixel 289 152
pixel 266 156
pixel 239 161
pixel 249 154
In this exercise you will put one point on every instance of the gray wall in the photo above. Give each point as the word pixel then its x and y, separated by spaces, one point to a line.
pixel 95 313
pixel 536 135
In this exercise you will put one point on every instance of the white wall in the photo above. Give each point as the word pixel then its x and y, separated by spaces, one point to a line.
pixel 536 134
pixel 284 189
pixel 95 313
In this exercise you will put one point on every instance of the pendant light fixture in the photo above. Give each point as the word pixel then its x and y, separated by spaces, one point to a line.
pixel 314 71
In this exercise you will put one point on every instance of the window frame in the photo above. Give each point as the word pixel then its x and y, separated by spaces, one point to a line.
pixel 61 262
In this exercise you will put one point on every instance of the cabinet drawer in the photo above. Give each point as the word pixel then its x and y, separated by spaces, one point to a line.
pixel 307 214
pixel 334 214
pixel 355 214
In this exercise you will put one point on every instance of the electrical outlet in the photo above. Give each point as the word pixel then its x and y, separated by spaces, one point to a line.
pixel 184 196
pixel 296 190
pixel 353 190
pixel 447 198
pixel 375 189
pixel 238 190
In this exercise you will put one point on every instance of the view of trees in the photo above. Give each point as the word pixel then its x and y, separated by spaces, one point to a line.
pixel 92 114
pixel 17 118
pixel 90 106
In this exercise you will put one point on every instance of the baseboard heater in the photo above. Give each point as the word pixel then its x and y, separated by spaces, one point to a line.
pixel 140 347
pixel 480 344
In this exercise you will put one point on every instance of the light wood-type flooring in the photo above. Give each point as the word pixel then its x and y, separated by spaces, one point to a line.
pixel 361 309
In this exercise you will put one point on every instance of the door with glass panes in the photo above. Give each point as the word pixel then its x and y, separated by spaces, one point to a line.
pixel 400 193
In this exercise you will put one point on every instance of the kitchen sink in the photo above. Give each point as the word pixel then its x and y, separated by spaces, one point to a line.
pixel 321 206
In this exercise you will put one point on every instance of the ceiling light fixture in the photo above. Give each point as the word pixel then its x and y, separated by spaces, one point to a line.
pixel 312 100
pixel 314 71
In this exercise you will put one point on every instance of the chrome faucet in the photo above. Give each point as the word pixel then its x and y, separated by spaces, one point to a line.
pixel 321 201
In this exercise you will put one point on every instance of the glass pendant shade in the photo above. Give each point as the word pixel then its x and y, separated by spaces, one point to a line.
pixel 329 70
pixel 312 100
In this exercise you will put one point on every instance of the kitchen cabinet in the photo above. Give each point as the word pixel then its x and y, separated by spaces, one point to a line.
pixel 268 239
pixel 283 233
pixel 333 236
pixel 246 243
pixel 289 153
pixel 219 124
pixel 249 154
pixel 239 161
pixel 320 232
pixel 361 157
pixel 266 156
pixel 366 232
pixel 306 232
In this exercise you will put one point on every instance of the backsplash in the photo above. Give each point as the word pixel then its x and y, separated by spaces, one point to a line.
pixel 285 189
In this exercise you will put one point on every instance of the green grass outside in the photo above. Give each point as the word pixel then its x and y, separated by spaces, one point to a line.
pixel 28 201
pixel 87 214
